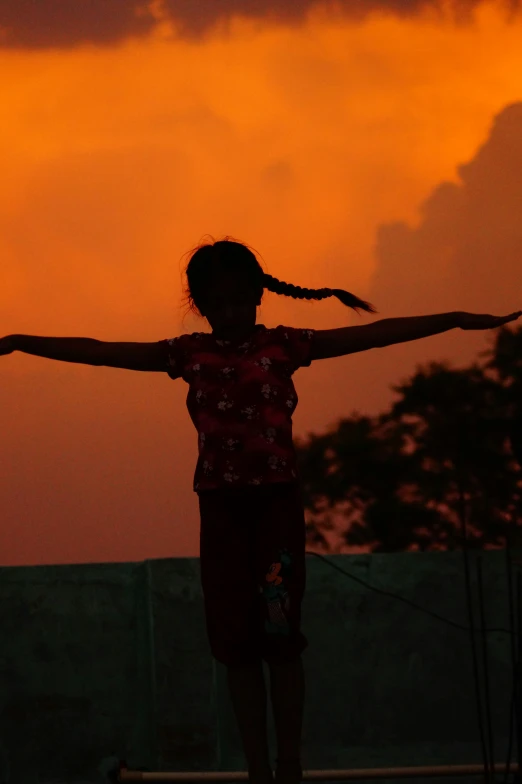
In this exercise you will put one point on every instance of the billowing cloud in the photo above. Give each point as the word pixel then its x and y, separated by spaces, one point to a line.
pixel 26 24
pixel 466 249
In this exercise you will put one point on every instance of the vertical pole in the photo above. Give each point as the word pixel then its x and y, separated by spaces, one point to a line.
pixel 514 541
pixel 484 635
pixel 518 674
pixel 462 514
pixel 151 648
pixel 512 632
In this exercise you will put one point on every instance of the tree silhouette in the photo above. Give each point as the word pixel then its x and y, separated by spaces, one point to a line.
pixel 449 446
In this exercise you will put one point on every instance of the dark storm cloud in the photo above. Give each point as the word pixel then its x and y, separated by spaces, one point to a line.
pixel 40 24
pixel 196 18
pixel 466 250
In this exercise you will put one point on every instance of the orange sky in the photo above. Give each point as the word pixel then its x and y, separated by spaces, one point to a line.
pixel 383 156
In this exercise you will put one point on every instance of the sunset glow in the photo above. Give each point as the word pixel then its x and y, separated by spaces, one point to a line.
pixel 302 141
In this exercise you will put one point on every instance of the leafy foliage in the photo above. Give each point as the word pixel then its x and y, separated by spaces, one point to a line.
pixel 450 446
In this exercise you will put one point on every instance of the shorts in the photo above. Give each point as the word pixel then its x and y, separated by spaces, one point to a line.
pixel 253 574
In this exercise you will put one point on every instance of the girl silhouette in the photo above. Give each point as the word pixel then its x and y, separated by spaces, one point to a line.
pixel 252 536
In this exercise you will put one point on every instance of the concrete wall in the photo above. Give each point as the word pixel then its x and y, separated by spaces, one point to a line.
pixel 102 660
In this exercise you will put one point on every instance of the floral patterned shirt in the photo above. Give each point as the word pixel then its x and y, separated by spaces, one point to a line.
pixel 241 399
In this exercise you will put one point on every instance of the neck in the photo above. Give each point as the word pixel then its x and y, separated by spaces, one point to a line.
pixel 234 334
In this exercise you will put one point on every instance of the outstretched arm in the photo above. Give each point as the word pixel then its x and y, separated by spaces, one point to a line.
pixel 88 351
pixel 348 340
pixel 400 330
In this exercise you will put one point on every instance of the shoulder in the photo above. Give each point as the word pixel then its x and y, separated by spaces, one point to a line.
pixel 188 339
pixel 295 342
pixel 293 333
pixel 181 350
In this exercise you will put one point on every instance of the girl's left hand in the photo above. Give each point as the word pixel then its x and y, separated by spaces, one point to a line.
pixel 475 321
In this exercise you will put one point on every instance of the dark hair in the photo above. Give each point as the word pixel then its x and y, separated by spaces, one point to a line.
pixel 235 257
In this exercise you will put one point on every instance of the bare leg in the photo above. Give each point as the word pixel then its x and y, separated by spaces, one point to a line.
pixel 287 686
pixel 249 699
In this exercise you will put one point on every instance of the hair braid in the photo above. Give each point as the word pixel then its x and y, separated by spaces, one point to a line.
pixel 231 257
pixel 289 290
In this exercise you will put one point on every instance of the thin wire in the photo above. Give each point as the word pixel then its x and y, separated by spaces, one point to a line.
pixel 513 656
pixel 515 663
pixel 462 505
pixel 400 598
pixel 519 659
pixel 491 743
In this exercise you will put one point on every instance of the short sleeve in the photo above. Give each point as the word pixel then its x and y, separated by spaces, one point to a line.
pixel 173 351
pixel 298 344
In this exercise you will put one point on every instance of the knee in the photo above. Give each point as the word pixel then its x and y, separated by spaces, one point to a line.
pixel 278 651
pixel 237 658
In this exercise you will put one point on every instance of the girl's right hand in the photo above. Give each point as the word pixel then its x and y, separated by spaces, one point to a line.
pixel 7 345
pixel 477 321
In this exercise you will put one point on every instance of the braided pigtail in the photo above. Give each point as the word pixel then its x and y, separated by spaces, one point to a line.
pixel 289 290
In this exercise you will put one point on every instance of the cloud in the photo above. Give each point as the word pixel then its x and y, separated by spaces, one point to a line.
pixel 26 24
pixel 467 247
pixel 195 19
pixel 41 24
